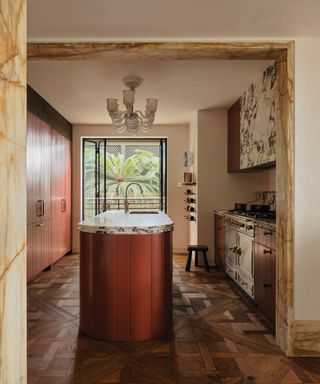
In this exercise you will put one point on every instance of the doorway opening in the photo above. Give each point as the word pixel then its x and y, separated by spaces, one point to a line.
pixel 109 165
pixel 287 328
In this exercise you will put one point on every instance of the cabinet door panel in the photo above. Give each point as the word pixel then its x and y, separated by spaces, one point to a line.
pixel 46 171
pixel 66 195
pixel 46 258
pixel 266 237
pixel 56 195
pixel 264 280
pixel 30 252
pixel 37 164
pixel 61 195
pixel 38 246
pixel 30 169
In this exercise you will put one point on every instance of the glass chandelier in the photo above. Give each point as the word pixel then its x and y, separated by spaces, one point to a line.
pixel 130 119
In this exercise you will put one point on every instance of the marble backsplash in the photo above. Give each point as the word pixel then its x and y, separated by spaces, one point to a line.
pixel 258 118
pixel 266 197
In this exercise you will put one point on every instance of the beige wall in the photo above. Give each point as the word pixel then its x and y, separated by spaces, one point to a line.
pixel 193 146
pixel 12 192
pixel 307 180
pixel 178 141
pixel 218 189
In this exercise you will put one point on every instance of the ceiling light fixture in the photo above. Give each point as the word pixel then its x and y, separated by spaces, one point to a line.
pixel 129 119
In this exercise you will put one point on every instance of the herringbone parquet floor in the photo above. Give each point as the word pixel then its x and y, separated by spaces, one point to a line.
pixel 218 337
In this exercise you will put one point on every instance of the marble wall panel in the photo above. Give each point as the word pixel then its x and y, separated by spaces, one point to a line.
pixel 12 191
pixel 258 118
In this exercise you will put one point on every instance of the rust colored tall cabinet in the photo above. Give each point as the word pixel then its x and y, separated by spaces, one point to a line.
pixel 48 187
pixel 61 195
pixel 39 222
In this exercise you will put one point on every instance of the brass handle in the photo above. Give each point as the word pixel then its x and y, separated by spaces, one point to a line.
pixel 234 249
pixel 267 285
pixel 267 233
pixel 40 225
pixel 267 251
pixel 63 205
pixel 40 208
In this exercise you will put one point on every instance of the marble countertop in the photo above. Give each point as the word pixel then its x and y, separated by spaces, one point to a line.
pixel 264 223
pixel 119 222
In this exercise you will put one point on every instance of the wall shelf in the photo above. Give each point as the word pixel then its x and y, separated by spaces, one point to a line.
pixel 184 184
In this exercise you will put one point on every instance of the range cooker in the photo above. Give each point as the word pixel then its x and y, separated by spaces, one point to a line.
pixel 239 231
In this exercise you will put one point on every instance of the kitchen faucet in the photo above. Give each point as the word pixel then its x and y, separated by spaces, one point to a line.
pixel 126 204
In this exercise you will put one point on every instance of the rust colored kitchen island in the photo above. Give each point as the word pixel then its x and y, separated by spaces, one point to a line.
pixel 126 276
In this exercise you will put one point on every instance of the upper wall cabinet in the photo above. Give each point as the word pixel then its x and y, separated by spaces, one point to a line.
pixel 252 124
pixel 234 137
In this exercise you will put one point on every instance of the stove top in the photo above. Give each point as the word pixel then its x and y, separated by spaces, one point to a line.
pixel 256 214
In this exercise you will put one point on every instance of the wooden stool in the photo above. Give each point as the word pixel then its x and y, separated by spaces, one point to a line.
pixel 197 248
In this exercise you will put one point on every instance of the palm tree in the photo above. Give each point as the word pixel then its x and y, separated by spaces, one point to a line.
pixel 142 167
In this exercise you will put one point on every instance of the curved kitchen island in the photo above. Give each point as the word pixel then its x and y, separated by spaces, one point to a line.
pixel 126 276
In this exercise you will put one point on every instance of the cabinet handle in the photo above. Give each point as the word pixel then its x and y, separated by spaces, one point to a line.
pixel 267 285
pixel 40 225
pixel 266 233
pixel 267 251
pixel 63 205
pixel 40 208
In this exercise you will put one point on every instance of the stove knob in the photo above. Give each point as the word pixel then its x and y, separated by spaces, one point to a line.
pixel 249 227
pixel 241 225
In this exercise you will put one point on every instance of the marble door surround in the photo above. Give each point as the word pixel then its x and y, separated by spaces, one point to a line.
pixel 296 338
pixel 13 353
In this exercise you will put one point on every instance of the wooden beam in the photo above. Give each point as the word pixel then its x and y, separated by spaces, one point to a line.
pixel 157 51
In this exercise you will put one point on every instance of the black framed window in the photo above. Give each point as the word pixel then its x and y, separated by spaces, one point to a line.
pixel 110 164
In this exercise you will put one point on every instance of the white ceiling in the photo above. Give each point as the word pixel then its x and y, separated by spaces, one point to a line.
pixel 94 20
pixel 78 89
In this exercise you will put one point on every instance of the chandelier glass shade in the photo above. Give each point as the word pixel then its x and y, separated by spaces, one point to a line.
pixel 129 119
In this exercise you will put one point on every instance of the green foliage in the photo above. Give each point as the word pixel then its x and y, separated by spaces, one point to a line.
pixel 142 167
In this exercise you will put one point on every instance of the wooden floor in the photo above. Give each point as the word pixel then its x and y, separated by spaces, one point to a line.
pixel 218 337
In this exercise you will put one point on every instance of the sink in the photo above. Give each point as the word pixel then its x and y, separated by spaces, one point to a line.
pixel 144 212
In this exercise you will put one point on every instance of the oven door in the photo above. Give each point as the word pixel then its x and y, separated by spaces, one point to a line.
pixel 231 257
pixel 245 257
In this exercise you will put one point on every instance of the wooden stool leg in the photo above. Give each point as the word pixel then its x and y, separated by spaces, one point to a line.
pixel 189 261
pixel 196 260
pixel 206 261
